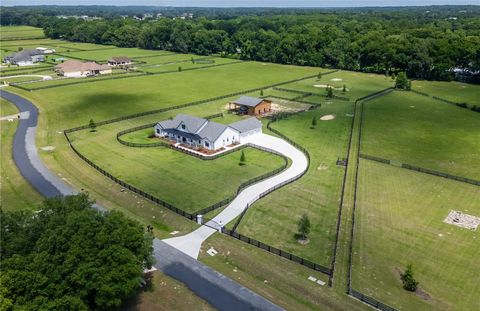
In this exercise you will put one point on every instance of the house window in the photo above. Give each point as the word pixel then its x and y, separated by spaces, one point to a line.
pixel 183 126
pixel 207 144
pixel 158 131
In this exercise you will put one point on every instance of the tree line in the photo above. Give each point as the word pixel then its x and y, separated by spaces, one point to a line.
pixel 424 44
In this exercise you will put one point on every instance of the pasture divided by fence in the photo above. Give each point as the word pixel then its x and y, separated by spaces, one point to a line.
pixel 422 169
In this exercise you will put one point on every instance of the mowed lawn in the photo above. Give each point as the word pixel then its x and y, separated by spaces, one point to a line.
pixel 182 180
pixel 15 192
pixel 453 91
pixel 421 131
pixel 399 221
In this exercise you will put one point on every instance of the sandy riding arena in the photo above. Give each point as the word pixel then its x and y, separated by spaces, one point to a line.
pixel 327 117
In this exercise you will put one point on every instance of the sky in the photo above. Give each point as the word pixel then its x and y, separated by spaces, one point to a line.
pixel 243 3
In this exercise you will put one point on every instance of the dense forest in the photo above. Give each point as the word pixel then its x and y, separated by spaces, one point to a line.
pixel 426 43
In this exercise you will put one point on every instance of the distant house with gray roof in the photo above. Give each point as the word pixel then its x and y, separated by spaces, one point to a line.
pixel 25 57
pixel 200 133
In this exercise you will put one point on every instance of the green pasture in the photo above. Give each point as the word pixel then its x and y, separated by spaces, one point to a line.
pixel 7 108
pixel 421 131
pixel 74 105
pixel 273 219
pixel 16 32
pixel 164 59
pixel 357 84
pixel 182 180
pixel 184 65
pixel 106 54
pixel 453 91
pixel 399 221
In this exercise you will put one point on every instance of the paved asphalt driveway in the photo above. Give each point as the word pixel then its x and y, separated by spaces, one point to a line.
pixel 220 291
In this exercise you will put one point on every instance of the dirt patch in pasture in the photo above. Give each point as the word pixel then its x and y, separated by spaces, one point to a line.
pixel 327 117
pixel 322 167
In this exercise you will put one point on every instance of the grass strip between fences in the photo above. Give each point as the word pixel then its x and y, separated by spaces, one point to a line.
pixel 350 291
pixel 422 170
pixel 115 76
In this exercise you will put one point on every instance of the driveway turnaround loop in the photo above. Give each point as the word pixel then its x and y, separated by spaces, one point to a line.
pixel 190 244
pixel 218 290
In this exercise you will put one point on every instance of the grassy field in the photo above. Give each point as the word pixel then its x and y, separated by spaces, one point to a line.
pixel 99 54
pixel 7 108
pixel 418 130
pixel 273 220
pixel 317 193
pixel 182 180
pixel 400 217
pixel 453 91
pixel 165 293
pixel 15 192
pixel 16 32
pixel 275 278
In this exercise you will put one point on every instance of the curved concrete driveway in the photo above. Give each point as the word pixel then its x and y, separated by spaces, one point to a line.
pixel 220 291
pixel 190 244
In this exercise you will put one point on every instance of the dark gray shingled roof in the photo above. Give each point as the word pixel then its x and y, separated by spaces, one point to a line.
pixel 212 130
pixel 120 59
pixel 248 101
pixel 24 55
pixel 193 124
pixel 246 125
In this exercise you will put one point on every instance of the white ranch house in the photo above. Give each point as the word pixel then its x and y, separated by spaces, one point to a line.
pixel 202 133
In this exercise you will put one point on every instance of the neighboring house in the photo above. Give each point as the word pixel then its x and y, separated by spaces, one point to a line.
pixel 120 61
pixel 202 133
pixel 25 57
pixel 45 50
pixel 251 105
pixel 76 69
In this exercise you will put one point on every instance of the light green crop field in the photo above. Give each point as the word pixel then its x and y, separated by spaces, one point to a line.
pixel 453 91
pixel 421 131
pixel 399 221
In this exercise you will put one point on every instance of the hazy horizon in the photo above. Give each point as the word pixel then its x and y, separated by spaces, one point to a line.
pixel 242 3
